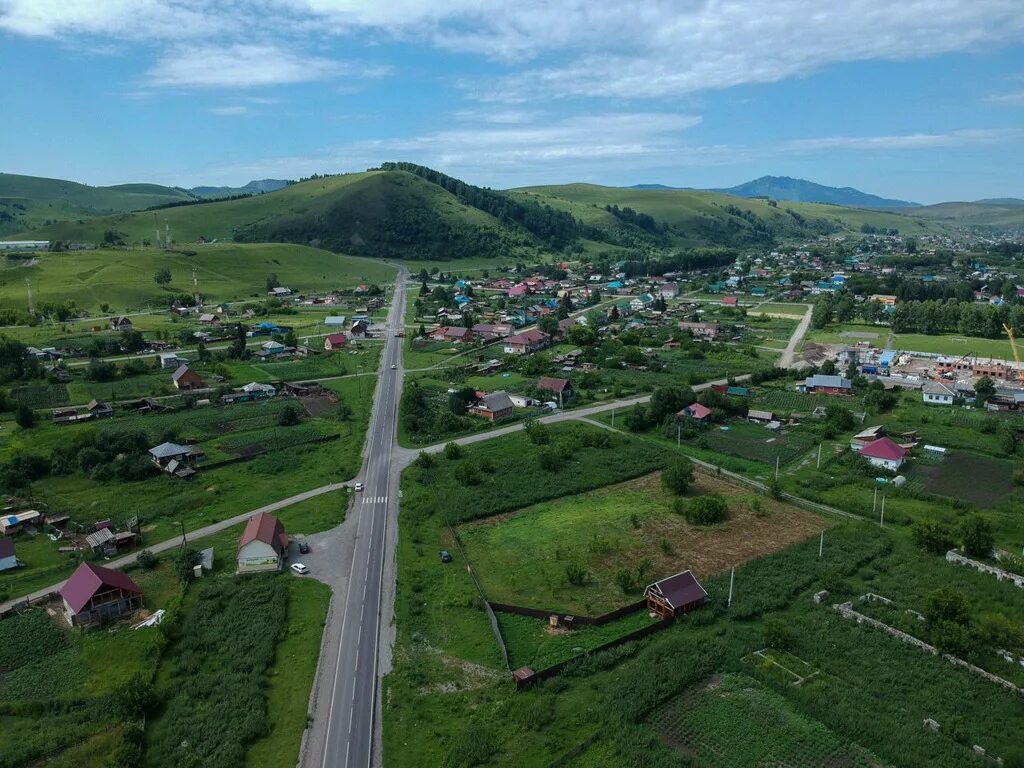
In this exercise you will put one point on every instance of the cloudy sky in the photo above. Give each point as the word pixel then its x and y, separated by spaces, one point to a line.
pixel 919 99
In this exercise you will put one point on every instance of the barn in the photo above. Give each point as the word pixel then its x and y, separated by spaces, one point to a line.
pixel 675 595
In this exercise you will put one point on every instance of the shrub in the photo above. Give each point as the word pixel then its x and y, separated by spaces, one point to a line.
pixel 977 536
pixel 777 634
pixel 932 536
pixel 452 451
pixel 576 574
pixel 424 460
pixel 707 510
pixel 288 416
pixel 678 476
pixel 25 417
pixel 947 604
pixel 147 560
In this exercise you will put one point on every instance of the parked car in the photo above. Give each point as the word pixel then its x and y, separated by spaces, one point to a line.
pixel 445 557
pixel 393 366
pixel 358 486
pixel 300 568
pixel 303 548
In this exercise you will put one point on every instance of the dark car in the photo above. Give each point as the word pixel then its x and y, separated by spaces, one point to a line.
pixel 303 548
pixel 445 557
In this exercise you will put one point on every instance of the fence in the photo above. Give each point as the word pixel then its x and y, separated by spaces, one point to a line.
pixel 955 557
pixel 592 621
pixel 24 605
pixel 557 669
pixel 575 752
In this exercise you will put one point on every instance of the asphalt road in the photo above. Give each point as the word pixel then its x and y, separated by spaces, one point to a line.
pixel 344 702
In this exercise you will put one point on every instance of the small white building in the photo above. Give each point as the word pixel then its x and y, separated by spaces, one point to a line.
pixel 937 393
pixel 884 453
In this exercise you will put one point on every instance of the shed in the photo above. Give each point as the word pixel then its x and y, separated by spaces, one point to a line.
pixel 8 559
pixel 675 595
pixel 95 595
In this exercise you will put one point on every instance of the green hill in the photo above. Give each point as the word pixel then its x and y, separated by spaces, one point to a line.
pixel 411 212
pixel 694 218
pixel 30 202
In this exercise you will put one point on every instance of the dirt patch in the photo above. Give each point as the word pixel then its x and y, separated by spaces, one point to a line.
pixel 815 353
pixel 248 451
pixel 981 480
pixel 319 405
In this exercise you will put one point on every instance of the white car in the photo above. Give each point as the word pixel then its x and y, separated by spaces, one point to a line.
pixel 300 568
pixel 393 366
pixel 358 486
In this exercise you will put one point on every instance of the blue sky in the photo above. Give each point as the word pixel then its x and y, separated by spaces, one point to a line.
pixel 922 99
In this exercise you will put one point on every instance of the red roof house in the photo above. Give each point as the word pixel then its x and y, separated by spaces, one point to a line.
pixel 675 595
pixel 95 595
pixel 263 546
pixel 696 411
pixel 334 341
pixel 884 453
pixel 730 301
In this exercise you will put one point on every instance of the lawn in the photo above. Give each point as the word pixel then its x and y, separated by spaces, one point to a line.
pixel 523 558
pixel 955 345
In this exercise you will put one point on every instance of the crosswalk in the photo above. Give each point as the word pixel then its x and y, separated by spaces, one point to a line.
pixel 375 499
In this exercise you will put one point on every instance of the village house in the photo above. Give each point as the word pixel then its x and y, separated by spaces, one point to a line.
pixel 13 522
pixel 707 331
pixel 334 341
pixel 120 323
pixel 760 417
pixel 8 559
pixel 938 393
pixel 560 387
pixel 263 546
pixel 185 379
pixel 360 329
pixel 669 290
pixel 177 460
pixel 451 333
pixel 279 292
pixel 170 360
pixel 208 318
pixel 251 391
pixel 675 595
pixel 526 342
pixel 494 406
pixel 822 384
pixel 697 412
pixel 730 301
pixel 94 595
pixel 884 453
pixel 489 332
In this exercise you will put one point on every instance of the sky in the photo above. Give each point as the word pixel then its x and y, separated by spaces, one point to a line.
pixel 918 99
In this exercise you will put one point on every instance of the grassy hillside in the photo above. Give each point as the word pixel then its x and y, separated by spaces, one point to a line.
pixel 994 215
pixel 701 218
pixel 124 279
pixel 28 202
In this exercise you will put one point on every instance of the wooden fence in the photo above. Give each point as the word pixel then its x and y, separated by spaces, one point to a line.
pixel 592 621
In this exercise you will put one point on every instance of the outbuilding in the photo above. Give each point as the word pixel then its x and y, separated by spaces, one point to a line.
pixel 8 559
pixel 675 595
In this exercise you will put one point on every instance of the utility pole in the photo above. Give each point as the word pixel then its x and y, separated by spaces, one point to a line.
pixel 776 467
pixel 732 577
pixel 881 520
pixel 678 430
pixel 821 544
pixel 874 501
pixel 183 539
pixel 31 303
pixel 819 457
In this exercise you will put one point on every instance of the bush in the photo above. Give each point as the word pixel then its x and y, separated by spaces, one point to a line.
pixel 777 634
pixel 147 560
pixel 288 416
pixel 25 417
pixel 933 536
pixel 977 536
pixel 424 460
pixel 576 574
pixel 947 604
pixel 452 451
pixel 678 476
pixel 707 510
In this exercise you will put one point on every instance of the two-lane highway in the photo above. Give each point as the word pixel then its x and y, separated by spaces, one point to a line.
pixel 342 732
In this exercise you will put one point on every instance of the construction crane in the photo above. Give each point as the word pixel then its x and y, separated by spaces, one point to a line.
pixel 1013 346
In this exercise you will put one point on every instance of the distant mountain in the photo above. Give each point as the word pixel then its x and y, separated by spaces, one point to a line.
pixel 654 186
pixel 803 191
pixel 252 188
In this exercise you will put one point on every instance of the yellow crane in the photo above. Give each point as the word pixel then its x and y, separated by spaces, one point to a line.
pixel 1013 346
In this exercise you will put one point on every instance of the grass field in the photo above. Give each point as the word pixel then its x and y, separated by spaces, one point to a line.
pixel 522 558
pixel 755 442
pixel 733 721
pixel 981 480
pixel 225 271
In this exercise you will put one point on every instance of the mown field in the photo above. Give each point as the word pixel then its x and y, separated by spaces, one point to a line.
pixel 523 558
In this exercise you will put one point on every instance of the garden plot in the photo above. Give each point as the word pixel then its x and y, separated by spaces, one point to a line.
pixel 591 553
pixel 755 442
pixel 42 395
pixel 732 721
pixel 981 480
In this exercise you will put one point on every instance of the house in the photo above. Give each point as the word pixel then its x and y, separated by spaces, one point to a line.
pixel 185 379
pixel 452 333
pixel 279 292
pixel 559 386
pixel 883 299
pixel 209 319
pixel 825 385
pixel 251 391
pixel 95 595
pixel 360 329
pixel 937 393
pixel 178 460
pixel 707 331
pixel 640 303
pixel 263 546
pixel 730 301
pixel 8 559
pixel 99 410
pixel 335 320
pixel 761 417
pixel 866 436
pixel 669 290
pixel 334 341
pixel 120 323
pixel 884 453
pixel 759 291
pixel 697 412
pixel 494 407
pixel 169 360
pixel 675 595
pixel 731 391
pixel 526 342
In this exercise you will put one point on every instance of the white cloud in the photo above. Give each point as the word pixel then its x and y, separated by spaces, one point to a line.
pixel 907 141
pixel 1013 99
pixel 230 110
pixel 244 66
